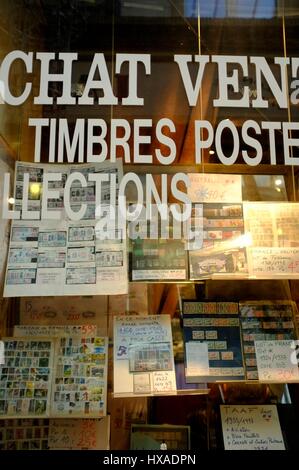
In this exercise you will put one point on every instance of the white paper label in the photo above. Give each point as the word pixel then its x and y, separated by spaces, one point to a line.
pixel 275 361
pixel 207 187
pixel 197 357
pixel 251 427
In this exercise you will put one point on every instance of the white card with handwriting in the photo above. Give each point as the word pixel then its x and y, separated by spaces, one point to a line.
pixel 276 361
pixel 253 427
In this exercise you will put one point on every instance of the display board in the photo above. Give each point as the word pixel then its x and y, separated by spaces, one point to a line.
pixel 58 377
pixel 274 229
pixel 264 321
pixel 63 257
pixel 212 341
pixel 24 434
pixel 26 377
pixel 79 434
pixel 253 427
pixel 80 387
pixel 143 356
pixel 223 248
pixel 159 260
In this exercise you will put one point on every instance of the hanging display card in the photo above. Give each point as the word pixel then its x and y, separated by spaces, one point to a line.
pixel 276 361
pixel 24 434
pixel 63 257
pixel 79 434
pixel 159 260
pixel 209 187
pixel 80 383
pixel 212 341
pixel 254 427
pixel 274 229
pixel 143 356
pixel 223 250
pixel 26 377
pixel 264 321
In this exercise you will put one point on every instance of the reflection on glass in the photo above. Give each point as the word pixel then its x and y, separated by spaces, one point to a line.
pixel 263 188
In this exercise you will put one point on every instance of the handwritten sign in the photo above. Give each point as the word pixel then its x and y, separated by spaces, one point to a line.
pixel 143 346
pixel 275 361
pixel 197 358
pixel 79 434
pixel 132 329
pixel 54 330
pixel 274 262
pixel 162 382
pixel 251 427
pixel 208 187
pixel 78 310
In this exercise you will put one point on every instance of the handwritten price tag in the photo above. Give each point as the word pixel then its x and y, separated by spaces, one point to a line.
pixel 207 187
pixel 163 382
pixel 274 361
pixel 275 261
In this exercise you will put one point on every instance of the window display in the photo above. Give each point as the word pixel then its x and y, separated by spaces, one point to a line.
pixel 149 259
